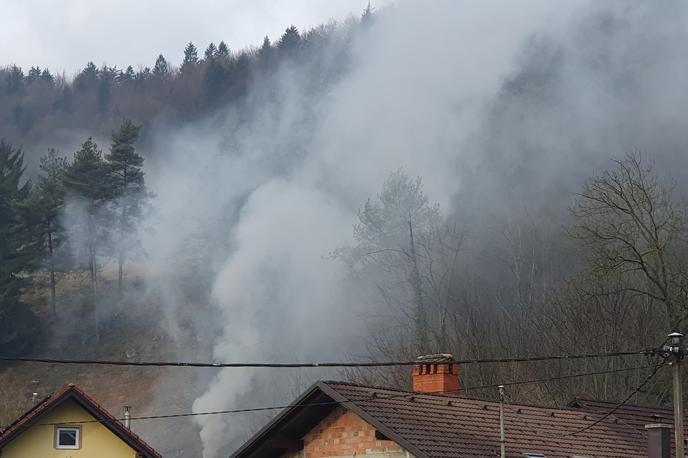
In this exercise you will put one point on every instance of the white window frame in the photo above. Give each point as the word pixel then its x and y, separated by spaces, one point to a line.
pixel 59 446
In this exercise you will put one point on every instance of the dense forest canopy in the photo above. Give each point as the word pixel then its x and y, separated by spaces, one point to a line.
pixel 37 106
pixel 375 189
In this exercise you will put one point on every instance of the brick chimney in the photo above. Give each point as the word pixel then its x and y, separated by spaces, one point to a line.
pixel 658 440
pixel 436 374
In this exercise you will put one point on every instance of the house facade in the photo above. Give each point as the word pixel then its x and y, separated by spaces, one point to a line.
pixel 70 424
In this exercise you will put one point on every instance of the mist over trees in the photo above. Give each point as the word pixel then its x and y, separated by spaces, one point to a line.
pixel 106 195
pixel 546 246
pixel 620 288
pixel 36 105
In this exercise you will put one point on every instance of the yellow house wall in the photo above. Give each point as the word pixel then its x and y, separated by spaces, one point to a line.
pixel 39 441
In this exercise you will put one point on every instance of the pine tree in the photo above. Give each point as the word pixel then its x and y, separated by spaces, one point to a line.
pixel 47 77
pixel 127 76
pixel 367 16
pixel 18 325
pixel 106 77
pixel 87 78
pixel 161 68
pixel 266 47
pixel 265 54
pixel 190 57
pixel 290 41
pixel 34 74
pixel 216 79
pixel 210 52
pixel 130 195
pixel 87 180
pixel 40 214
pixel 15 80
pixel 223 50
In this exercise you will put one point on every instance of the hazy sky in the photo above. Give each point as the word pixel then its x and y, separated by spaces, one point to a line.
pixel 65 35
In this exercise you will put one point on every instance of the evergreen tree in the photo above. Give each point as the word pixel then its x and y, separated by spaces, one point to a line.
pixel 290 41
pixel 18 325
pixel 223 50
pixel 142 76
pixel 265 54
pixel 106 78
pixel 15 80
pixel 87 180
pixel 34 74
pixel 210 52
pixel 47 77
pixel 127 76
pixel 126 177
pixel 367 16
pixel 87 79
pixel 40 213
pixel 216 81
pixel 395 227
pixel 266 47
pixel 161 68
pixel 190 57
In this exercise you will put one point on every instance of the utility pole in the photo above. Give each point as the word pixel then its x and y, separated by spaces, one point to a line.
pixel 502 441
pixel 676 353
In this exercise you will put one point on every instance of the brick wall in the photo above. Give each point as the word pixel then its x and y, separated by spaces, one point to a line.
pixel 345 434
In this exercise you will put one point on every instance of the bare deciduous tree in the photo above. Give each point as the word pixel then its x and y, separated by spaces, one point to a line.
pixel 631 224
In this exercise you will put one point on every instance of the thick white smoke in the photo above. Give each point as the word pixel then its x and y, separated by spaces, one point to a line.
pixel 414 94
pixel 250 202
pixel 266 192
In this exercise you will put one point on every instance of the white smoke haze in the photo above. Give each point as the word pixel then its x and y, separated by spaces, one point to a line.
pixel 501 107
pixel 412 97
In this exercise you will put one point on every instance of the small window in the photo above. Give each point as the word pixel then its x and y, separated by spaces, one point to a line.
pixel 67 438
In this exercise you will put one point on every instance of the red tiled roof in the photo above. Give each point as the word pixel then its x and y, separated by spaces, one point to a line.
pixel 99 412
pixel 438 426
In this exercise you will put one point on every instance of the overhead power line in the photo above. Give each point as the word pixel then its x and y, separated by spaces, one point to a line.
pixel 405 394
pixel 637 389
pixel 317 365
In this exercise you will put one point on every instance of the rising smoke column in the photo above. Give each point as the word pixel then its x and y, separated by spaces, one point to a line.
pixel 413 95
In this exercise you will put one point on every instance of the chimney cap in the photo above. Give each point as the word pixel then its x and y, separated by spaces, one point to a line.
pixel 658 425
pixel 436 358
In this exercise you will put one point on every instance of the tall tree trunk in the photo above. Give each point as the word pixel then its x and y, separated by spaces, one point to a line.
pixel 120 279
pixel 94 272
pixel 421 315
pixel 122 224
pixel 119 272
pixel 52 270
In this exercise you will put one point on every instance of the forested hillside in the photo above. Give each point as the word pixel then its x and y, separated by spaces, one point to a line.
pixel 374 189
pixel 38 107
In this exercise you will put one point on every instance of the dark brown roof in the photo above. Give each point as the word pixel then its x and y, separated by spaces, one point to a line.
pixel 634 415
pixel 437 426
pixel 72 392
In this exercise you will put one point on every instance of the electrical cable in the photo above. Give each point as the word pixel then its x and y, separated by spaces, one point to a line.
pixel 649 377
pixel 406 394
pixel 316 365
